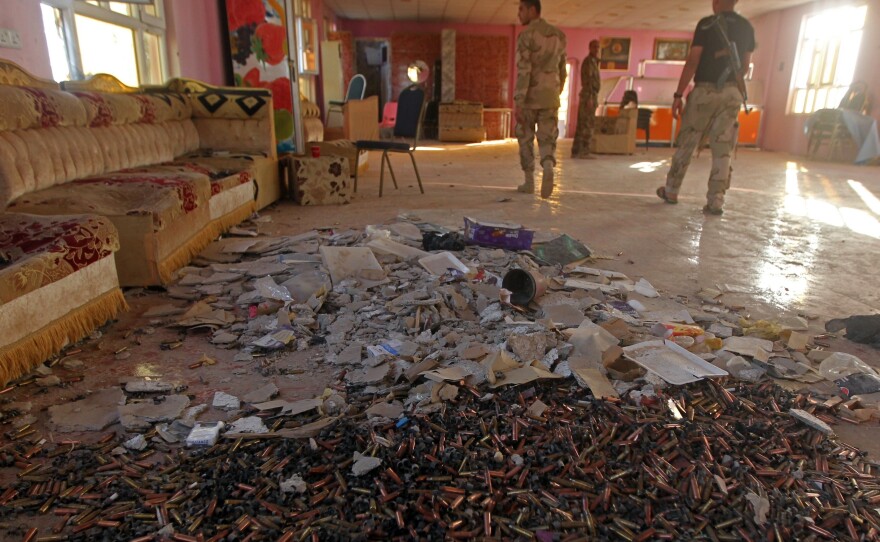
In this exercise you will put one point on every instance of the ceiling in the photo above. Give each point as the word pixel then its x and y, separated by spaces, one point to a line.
pixel 649 14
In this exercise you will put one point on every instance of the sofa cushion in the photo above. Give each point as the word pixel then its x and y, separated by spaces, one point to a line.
pixel 223 173
pixel 163 195
pixel 177 106
pixel 38 250
pixel 39 158
pixel 108 109
pixel 22 108
pixel 36 159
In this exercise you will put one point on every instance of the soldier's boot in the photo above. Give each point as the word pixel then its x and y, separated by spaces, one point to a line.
pixel 547 180
pixel 528 187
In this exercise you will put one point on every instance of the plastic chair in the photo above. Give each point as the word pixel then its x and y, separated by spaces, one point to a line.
pixel 408 125
pixel 826 126
pixel 389 115
pixel 856 98
pixel 357 87
pixel 644 123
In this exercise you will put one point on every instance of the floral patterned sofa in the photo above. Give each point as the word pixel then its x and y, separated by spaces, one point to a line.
pixel 171 167
pixel 103 185
pixel 58 283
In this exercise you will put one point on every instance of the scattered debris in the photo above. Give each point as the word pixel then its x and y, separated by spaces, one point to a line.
pixel 94 413
pixel 453 415
pixel 224 401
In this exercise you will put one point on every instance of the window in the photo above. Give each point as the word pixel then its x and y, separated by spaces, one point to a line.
pixel 123 39
pixel 826 59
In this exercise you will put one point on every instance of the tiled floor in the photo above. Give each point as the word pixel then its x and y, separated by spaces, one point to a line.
pixel 796 236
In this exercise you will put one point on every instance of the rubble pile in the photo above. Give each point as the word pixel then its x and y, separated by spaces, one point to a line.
pixel 480 393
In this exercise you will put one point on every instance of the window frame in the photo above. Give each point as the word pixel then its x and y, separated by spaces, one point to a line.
pixel 829 49
pixel 139 22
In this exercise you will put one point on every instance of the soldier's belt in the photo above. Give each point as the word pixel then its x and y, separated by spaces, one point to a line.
pixel 713 85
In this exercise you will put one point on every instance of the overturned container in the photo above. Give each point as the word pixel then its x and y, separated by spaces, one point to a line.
pixel 525 286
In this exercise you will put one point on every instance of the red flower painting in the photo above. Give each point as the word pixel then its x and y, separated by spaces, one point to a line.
pixel 245 12
pixel 269 44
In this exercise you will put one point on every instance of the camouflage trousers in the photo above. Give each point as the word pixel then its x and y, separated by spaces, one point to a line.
pixel 586 124
pixel 710 113
pixel 547 131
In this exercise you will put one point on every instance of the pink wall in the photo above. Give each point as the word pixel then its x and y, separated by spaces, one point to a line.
pixel 642 45
pixel 195 41
pixel 777 35
pixel 25 17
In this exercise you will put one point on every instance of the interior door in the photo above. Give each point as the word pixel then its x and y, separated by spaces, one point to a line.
pixel 331 74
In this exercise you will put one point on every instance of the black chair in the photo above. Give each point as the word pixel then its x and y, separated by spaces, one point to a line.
pixel 410 113
pixel 644 123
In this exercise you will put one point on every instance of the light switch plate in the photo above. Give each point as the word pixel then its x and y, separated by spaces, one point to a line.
pixel 9 38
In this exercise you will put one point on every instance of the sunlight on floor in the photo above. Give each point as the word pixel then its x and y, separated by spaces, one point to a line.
pixel 490 143
pixel 870 199
pixel 433 149
pixel 649 167
pixel 824 212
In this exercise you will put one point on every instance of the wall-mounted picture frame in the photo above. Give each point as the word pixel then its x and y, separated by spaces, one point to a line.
pixel 671 49
pixel 614 53
pixel 307 46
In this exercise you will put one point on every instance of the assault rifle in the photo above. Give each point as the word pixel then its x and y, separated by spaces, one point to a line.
pixel 734 62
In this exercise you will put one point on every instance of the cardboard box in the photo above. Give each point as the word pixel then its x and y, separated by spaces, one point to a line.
pixel 461 114
pixel 624 369
pixel 464 135
pixel 461 121
pixel 509 236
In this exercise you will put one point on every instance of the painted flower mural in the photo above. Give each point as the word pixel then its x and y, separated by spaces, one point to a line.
pixel 259 50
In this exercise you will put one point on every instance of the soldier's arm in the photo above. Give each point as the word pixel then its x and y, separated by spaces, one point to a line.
pixel 585 73
pixel 562 73
pixel 690 68
pixel 745 59
pixel 523 71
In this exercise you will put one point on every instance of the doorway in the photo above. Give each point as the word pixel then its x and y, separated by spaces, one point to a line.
pixel 565 101
pixel 372 60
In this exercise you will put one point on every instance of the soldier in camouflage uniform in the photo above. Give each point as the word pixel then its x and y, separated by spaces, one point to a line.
pixel 714 104
pixel 540 64
pixel 589 98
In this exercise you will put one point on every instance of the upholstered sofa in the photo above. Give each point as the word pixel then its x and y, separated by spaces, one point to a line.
pixel 58 283
pixel 102 185
pixel 313 126
pixel 171 167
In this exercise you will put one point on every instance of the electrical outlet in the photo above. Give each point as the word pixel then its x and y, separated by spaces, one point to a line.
pixel 9 38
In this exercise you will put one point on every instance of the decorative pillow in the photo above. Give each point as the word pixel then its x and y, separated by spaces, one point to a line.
pixel 22 108
pixel 107 109
pixel 170 106
pixel 241 104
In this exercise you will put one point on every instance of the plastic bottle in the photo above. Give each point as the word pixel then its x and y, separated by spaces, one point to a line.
pixel 839 365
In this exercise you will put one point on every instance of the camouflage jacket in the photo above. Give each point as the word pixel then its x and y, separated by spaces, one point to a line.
pixel 591 81
pixel 540 66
